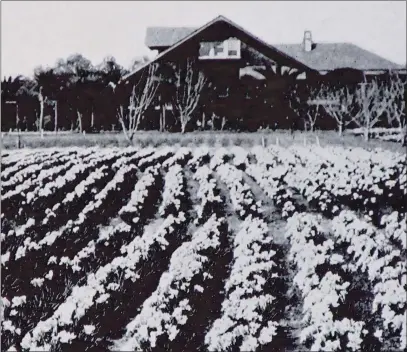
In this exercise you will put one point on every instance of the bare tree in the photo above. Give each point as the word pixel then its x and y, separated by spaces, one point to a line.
pixel 338 103
pixel 164 108
pixel 308 110
pixel 372 101
pixel 189 85
pixel 312 117
pixel 212 121
pixel 203 123
pixel 397 109
pixel 41 101
pixel 162 119
pixel 140 100
pixel 222 126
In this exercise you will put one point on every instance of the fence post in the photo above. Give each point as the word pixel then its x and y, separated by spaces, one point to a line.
pixel 18 140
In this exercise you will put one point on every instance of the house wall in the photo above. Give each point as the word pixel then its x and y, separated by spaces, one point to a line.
pixel 245 102
pixel 248 103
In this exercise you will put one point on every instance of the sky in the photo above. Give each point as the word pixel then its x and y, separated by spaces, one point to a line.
pixel 35 33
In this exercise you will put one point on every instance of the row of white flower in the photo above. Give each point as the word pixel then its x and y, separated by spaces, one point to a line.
pixel 132 155
pixel 396 228
pixel 218 157
pixel 43 191
pixel 245 302
pixel 271 182
pixel 96 289
pixel 29 171
pixel 140 192
pixel 320 295
pixel 187 262
pixel 309 179
pixel 323 173
pixel 106 233
pixel 240 155
pixel 44 174
pixel 132 208
pixel 12 308
pixel 241 195
pixel 198 156
pixel 241 315
pixel 173 189
pixel 98 202
pixel 371 252
pixel 158 154
pixel 81 188
pixel 11 157
pixel 276 155
pixel 355 171
pixel 23 164
pixel 178 157
pixel 99 199
pixel 207 189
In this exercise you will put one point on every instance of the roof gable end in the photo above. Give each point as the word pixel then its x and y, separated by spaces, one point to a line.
pixel 232 24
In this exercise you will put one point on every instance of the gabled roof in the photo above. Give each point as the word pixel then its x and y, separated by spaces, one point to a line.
pixel 237 27
pixel 323 57
pixel 159 37
pixel 331 56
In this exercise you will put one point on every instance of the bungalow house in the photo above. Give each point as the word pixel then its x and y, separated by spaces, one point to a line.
pixel 248 78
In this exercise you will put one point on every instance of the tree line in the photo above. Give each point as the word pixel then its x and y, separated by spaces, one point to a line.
pixel 77 96
pixel 368 103
pixel 72 95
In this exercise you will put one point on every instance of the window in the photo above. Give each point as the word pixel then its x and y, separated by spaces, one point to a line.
pixel 220 50
pixel 211 49
pixel 233 47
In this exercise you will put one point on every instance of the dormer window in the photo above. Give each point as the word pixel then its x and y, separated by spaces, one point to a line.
pixel 228 49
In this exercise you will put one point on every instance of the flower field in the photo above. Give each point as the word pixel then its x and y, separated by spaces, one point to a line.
pixel 203 249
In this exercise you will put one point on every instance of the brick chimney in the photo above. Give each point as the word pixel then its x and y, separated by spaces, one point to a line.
pixel 307 41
